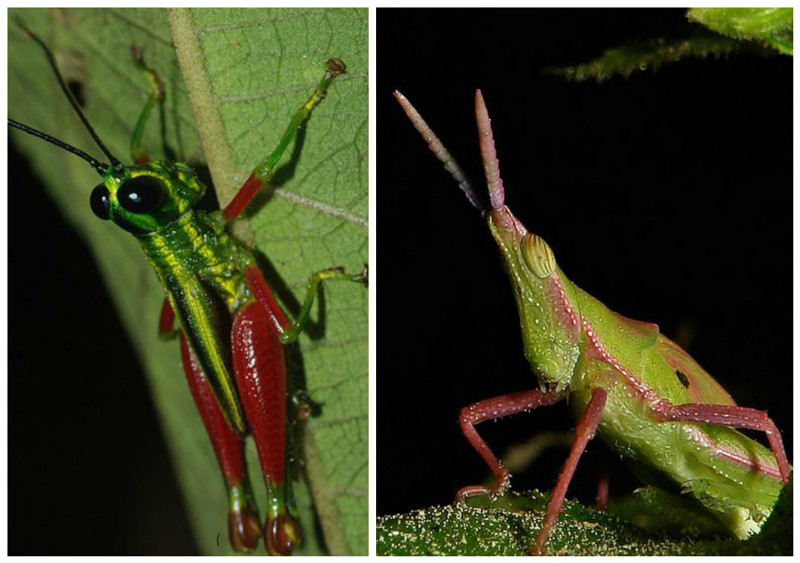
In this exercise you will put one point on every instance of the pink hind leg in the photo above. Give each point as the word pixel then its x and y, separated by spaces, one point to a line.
pixel 731 416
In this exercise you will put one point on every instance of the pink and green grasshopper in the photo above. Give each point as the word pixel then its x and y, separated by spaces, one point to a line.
pixel 637 390
pixel 232 329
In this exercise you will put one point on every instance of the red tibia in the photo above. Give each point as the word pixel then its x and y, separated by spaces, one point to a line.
pixel 166 321
pixel 243 525
pixel 584 432
pixel 261 291
pixel 491 409
pixel 731 416
pixel 243 197
pixel 260 368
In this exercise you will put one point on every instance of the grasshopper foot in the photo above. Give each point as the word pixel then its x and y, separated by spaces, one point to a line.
pixel 281 535
pixel 498 489
pixel 244 529
pixel 338 272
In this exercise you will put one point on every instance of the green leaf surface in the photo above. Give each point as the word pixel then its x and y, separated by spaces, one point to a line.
pixel 509 525
pixel 760 30
pixel 258 66
pixel 649 55
pixel 773 26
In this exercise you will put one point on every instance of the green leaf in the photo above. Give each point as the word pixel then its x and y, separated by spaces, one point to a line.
pixel 773 26
pixel 735 29
pixel 258 66
pixel 509 525
pixel 649 55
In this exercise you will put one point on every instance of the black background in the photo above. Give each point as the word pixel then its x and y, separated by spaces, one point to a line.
pixel 88 470
pixel 667 196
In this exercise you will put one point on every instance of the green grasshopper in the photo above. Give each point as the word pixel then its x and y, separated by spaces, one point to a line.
pixel 232 329
pixel 637 390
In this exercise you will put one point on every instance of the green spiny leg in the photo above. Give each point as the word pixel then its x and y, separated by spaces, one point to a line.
pixel 292 333
pixel 263 172
pixel 138 152
pixel 289 332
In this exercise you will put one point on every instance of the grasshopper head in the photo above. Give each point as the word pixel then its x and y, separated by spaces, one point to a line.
pixel 549 318
pixel 545 298
pixel 143 199
pixel 140 199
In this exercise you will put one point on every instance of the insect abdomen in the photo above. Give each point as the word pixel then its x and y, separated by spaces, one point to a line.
pixel 194 262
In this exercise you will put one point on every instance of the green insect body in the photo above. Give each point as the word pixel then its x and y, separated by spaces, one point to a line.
pixel 638 367
pixel 640 392
pixel 196 261
pixel 231 327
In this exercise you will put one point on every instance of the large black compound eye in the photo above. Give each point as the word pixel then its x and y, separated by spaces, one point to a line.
pixel 98 201
pixel 142 194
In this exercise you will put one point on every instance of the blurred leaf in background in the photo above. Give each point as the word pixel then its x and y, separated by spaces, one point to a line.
pixel 712 31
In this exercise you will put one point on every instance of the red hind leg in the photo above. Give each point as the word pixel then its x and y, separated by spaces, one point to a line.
pixel 261 379
pixel 243 522
pixel 166 321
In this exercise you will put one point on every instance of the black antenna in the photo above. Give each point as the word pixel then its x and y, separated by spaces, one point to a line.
pixel 51 59
pixel 96 164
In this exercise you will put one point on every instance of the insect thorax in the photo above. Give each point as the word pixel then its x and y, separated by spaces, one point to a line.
pixel 197 246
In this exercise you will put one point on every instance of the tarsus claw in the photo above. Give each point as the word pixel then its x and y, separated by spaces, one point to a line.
pixel 244 530
pixel 281 535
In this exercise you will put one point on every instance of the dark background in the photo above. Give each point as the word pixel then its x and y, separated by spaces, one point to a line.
pixel 88 470
pixel 667 196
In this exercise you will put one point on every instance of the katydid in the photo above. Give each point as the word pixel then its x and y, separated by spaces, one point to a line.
pixel 232 329
pixel 638 391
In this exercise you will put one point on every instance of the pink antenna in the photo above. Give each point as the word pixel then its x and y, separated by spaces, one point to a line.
pixel 491 165
pixel 439 150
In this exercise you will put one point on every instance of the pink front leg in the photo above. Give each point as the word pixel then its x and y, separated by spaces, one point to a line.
pixel 584 431
pixel 505 405
pixel 491 409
